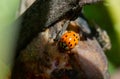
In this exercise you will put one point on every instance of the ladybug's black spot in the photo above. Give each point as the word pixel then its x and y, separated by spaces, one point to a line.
pixel 74 39
pixel 70 45
pixel 65 35
pixel 68 42
pixel 73 34
pixel 75 43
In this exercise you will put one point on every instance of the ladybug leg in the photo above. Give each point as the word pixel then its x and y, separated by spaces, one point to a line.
pixel 62 30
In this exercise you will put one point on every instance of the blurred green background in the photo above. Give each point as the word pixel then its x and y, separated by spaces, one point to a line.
pixel 8 35
pixel 106 15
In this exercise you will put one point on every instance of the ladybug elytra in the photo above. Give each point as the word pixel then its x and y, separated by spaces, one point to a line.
pixel 69 40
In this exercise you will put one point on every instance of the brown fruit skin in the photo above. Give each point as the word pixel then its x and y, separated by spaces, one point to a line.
pixel 92 60
pixel 41 59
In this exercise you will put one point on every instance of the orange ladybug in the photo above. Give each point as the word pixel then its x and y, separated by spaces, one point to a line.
pixel 69 40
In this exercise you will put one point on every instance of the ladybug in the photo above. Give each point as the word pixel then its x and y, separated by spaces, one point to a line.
pixel 69 40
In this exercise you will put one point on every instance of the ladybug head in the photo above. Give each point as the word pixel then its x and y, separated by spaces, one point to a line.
pixel 63 46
